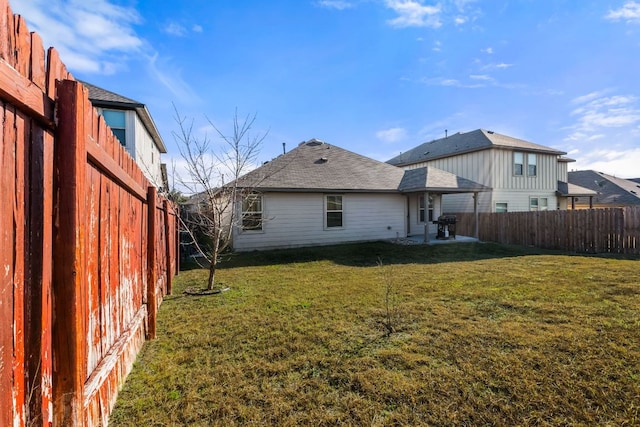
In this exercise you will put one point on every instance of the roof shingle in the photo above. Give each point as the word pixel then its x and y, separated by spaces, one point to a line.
pixel 460 143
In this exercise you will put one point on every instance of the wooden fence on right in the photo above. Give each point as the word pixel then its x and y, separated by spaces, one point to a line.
pixel 611 230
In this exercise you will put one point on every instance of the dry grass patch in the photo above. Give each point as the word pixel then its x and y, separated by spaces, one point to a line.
pixel 484 335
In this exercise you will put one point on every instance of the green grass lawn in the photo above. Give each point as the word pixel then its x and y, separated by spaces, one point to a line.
pixel 483 335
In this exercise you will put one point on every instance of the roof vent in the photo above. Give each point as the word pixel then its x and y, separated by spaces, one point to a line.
pixel 314 142
pixel 490 131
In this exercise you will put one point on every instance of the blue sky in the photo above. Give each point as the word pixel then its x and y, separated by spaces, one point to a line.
pixel 376 77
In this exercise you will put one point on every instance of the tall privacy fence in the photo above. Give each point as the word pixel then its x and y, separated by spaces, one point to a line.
pixel 611 230
pixel 87 247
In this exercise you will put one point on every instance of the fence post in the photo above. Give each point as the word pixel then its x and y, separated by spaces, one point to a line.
pixel 168 242
pixel 152 304
pixel 69 278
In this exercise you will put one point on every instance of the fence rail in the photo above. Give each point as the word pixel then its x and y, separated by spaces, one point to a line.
pixel 610 230
pixel 79 225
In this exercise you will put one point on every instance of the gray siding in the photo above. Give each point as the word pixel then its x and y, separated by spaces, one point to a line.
pixel 297 219
pixel 494 168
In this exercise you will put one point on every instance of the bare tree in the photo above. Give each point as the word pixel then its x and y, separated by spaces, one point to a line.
pixel 212 176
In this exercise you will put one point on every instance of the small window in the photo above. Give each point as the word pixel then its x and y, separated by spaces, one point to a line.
pixel 538 204
pixel 502 207
pixel 333 211
pixel 518 163
pixel 532 164
pixel 116 121
pixel 421 209
pixel 252 212
pixel 543 204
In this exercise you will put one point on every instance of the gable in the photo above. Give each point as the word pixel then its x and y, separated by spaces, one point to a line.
pixel 461 143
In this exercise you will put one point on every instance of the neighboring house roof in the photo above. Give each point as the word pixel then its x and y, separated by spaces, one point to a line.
pixel 103 98
pixel 315 166
pixel 568 189
pixel 610 190
pixel 467 142
pixel 432 179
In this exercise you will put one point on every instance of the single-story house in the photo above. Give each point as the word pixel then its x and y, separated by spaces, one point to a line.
pixel 321 194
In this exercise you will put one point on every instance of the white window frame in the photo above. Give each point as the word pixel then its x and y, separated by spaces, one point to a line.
pixel 327 211
pixel 421 217
pixel 248 210
pixel 506 207
pixel 538 203
pixel 517 163
pixel 118 128
pixel 532 164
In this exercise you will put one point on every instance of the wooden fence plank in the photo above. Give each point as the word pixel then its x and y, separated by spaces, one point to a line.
pixel 151 264
pixel 7 164
pixel 20 279
pixel 70 342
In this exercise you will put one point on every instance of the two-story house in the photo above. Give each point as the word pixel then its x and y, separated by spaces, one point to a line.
pixel 523 176
pixel 134 127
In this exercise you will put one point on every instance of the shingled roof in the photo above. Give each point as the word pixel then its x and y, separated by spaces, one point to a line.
pixel 467 142
pixel 610 190
pixel 315 166
pixel 437 180
pixel 103 98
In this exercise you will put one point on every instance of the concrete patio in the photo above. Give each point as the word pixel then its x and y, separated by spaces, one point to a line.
pixel 419 240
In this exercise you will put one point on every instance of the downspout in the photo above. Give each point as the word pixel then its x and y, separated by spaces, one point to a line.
pixel 475 214
pixel 426 217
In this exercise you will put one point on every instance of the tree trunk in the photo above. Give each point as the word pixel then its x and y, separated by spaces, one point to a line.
pixel 214 262
pixel 212 273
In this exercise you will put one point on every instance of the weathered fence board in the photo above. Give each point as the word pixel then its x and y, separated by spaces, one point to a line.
pixel 74 226
pixel 611 230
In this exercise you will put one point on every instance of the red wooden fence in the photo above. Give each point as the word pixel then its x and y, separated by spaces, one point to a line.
pixel 611 230
pixel 87 247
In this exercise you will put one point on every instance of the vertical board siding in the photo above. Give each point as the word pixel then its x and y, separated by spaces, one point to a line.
pixel 80 237
pixel 611 230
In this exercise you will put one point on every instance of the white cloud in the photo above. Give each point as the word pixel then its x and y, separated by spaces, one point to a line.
pixel 481 77
pixel 335 4
pixel 392 134
pixel 459 20
pixel 91 36
pixel 175 29
pixel 197 28
pixel 596 111
pixel 488 50
pixel 630 13
pixel 604 134
pixel 620 163
pixel 412 13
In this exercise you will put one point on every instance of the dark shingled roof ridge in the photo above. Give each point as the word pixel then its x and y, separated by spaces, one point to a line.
pixel 461 143
pixel 609 188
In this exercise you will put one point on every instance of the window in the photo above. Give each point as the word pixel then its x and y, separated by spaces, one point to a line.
pixel 117 123
pixel 421 209
pixel 252 212
pixel 333 211
pixel 538 204
pixel 501 207
pixel 518 163
pixel 532 164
